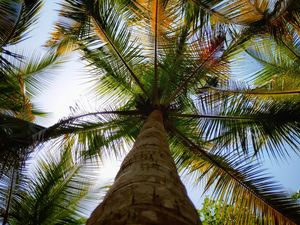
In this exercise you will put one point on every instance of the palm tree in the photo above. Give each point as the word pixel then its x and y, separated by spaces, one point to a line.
pixel 22 76
pixel 16 18
pixel 165 64
pixel 164 67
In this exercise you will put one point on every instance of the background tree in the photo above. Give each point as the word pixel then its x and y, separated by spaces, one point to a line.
pixel 22 76
pixel 296 195
pixel 217 213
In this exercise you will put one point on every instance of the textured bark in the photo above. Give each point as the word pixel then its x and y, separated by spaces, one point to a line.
pixel 147 189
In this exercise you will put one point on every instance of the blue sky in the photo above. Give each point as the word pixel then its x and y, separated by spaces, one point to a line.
pixel 69 86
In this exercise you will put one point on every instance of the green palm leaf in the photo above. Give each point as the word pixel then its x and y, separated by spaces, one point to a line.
pixel 237 181
pixel 247 186
pixel 15 21
pixel 54 194
pixel 95 134
pixel 16 18
pixel 238 122
pixel 109 32
pixel 278 73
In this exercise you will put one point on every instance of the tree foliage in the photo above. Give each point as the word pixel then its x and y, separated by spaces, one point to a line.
pixel 218 213
pixel 175 56
pixel 296 195
pixel 49 190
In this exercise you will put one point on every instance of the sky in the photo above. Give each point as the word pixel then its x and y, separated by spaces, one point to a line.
pixel 69 86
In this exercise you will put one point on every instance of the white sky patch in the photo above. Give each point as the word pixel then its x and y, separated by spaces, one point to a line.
pixel 109 170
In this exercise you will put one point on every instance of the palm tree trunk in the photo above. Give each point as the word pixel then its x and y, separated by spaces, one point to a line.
pixel 147 189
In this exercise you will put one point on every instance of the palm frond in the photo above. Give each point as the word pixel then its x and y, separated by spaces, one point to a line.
pixel 21 15
pixel 212 47
pixel 106 32
pixel 24 80
pixel 54 194
pixel 280 66
pixel 212 54
pixel 29 74
pixel 94 134
pixel 288 89
pixel 241 123
pixel 108 80
pixel 15 21
pixel 35 68
pixel 10 96
pixel 237 12
pixel 240 182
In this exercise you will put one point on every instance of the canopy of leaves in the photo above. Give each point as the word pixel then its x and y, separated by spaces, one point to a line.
pixel 177 56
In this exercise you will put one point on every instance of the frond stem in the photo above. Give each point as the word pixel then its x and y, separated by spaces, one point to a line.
pixel 219 117
pixel 45 133
pixel 290 49
pixel 291 92
pixel 66 121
